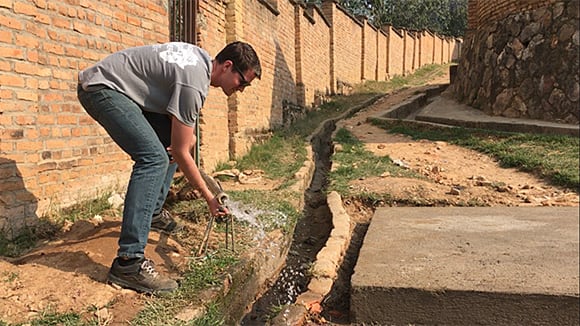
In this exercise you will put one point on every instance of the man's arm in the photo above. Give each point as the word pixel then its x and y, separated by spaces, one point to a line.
pixel 182 140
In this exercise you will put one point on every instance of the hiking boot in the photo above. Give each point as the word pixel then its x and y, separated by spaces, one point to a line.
pixel 164 222
pixel 140 276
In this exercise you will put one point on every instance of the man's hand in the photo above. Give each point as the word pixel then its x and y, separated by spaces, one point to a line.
pixel 217 209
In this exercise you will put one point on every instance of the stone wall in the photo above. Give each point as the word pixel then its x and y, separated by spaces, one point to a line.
pixel 524 65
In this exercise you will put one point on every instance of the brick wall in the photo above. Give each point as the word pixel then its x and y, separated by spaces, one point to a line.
pixel 417 51
pixel 438 51
pixel 396 52
pixel 346 44
pixel 445 51
pixel 53 155
pixel 215 120
pixel 369 52
pixel 382 55
pixel 427 47
pixel 409 53
pixel 314 36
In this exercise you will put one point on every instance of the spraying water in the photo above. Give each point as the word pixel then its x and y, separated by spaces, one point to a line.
pixel 259 219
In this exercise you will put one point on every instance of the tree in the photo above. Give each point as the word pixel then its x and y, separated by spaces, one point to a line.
pixel 446 17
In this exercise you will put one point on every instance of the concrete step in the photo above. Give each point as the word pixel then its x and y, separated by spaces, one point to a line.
pixel 469 265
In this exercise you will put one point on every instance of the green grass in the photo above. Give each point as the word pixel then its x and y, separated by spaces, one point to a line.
pixel 552 157
pixel 418 78
pixel 51 318
pixel 279 157
pixel 353 161
pixel 203 272
pixel 276 208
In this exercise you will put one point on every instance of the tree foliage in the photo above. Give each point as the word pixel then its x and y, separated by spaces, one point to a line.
pixel 446 17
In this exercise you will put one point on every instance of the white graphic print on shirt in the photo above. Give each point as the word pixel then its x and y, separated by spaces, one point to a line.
pixel 180 54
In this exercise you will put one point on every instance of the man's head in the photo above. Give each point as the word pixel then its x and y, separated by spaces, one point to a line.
pixel 235 66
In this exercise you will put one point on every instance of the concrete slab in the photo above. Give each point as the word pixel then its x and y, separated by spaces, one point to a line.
pixel 445 110
pixel 469 265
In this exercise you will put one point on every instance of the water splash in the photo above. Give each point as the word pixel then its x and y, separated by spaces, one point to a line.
pixel 261 220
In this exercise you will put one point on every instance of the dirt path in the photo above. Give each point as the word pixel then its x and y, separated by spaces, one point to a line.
pixel 452 175
pixel 69 275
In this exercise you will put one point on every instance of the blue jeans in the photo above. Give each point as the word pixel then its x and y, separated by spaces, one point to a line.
pixel 145 137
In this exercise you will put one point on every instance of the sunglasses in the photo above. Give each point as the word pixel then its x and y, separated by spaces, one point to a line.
pixel 243 81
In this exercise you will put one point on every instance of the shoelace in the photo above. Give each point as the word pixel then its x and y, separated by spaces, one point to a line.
pixel 164 217
pixel 148 267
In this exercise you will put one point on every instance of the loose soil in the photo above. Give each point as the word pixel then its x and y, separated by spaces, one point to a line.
pixel 68 274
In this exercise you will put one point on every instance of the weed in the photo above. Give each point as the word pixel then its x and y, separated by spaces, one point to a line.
pixel 9 277
pixel 86 209
pixel 353 161
pixel 203 272
pixel 212 317
pixel 554 157
pixel 279 158
pixel 27 238
pixel 51 318
pixel 276 310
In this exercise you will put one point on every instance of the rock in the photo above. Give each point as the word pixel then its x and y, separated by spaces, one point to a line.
pixel 115 200
pixel 454 191
pixel 401 163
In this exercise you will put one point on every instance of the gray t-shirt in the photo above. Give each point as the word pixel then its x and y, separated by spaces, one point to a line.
pixel 171 78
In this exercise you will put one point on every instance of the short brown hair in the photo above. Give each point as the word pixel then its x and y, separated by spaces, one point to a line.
pixel 242 55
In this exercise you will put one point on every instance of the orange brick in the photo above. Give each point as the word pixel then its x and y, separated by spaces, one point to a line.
pixel 55 143
pixel 60 22
pixel 26 95
pixel 40 4
pixel 11 23
pixel 31 69
pixel 6 36
pixel 24 8
pixel 67 119
pixel 12 80
pixel 23 146
pixel 6 4
pixel 11 52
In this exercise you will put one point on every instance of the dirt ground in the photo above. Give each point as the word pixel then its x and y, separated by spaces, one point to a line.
pixel 69 274
pixel 453 175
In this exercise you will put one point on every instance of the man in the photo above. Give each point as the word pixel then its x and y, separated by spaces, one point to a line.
pixel 148 99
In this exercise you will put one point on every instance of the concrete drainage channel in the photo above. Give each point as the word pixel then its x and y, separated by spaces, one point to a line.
pixel 322 238
pixel 319 243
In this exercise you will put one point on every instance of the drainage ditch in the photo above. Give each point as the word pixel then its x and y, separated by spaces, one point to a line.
pixel 313 230
pixel 310 236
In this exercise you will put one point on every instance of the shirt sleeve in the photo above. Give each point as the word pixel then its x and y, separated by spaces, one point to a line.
pixel 185 104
